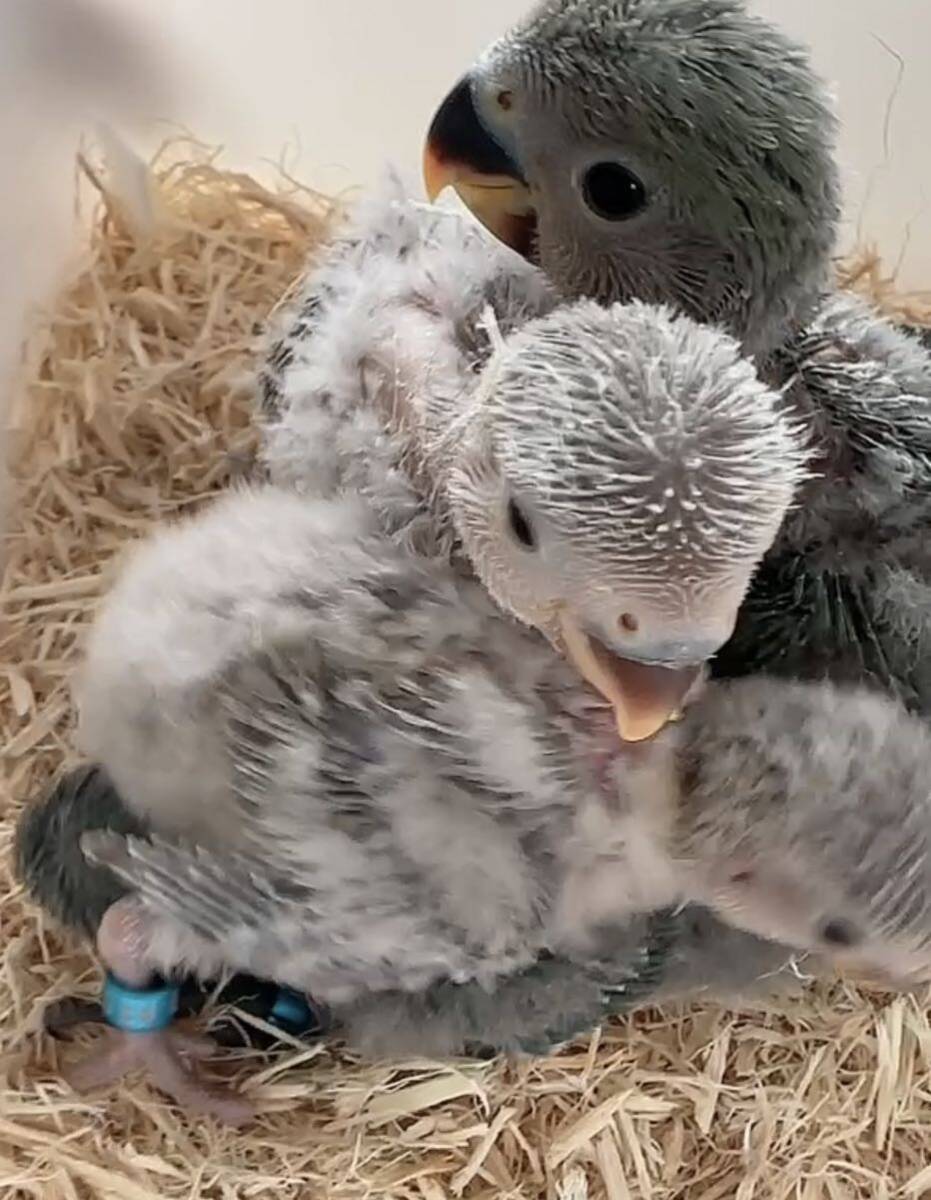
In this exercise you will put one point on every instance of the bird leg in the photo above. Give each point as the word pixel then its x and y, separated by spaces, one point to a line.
pixel 145 1038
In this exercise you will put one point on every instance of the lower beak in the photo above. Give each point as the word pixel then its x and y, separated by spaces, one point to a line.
pixel 644 697
pixel 503 205
pixel 462 154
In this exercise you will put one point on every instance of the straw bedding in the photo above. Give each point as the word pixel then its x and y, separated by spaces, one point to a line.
pixel 136 409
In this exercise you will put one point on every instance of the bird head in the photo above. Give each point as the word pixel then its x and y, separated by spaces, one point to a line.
pixel 616 480
pixel 673 151
pixel 805 818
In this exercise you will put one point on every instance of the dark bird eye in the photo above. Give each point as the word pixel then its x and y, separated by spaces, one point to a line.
pixel 612 192
pixel 520 526
pixel 839 933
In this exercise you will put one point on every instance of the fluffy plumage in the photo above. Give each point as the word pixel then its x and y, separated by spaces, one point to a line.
pixel 671 953
pixel 613 475
pixel 542 473
pixel 727 132
pixel 739 227
pixel 355 828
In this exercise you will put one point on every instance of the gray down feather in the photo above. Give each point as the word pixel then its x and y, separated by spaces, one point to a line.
pixel 354 829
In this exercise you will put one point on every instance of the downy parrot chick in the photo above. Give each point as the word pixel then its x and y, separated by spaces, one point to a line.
pixel 682 151
pixel 614 480
pixel 805 816
pixel 396 787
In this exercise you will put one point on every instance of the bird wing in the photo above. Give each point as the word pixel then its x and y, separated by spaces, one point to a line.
pixel 380 352
pixel 398 253
pixel 214 895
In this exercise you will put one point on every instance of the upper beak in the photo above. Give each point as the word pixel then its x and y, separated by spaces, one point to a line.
pixel 461 153
pixel 644 696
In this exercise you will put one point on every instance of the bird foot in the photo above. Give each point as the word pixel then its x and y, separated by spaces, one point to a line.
pixel 168 1057
pixel 140 1009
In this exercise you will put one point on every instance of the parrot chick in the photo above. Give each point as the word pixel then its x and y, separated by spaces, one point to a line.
pixel 398 789
pixel 804 815
pixel 613 480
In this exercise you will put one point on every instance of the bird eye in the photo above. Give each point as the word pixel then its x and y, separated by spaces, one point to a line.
pixel 521 527
pixel 839 933
pixel 505 100
pixel 612 192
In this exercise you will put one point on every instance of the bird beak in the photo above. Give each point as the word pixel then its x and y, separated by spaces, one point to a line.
pixel 461 153
pixel 644 697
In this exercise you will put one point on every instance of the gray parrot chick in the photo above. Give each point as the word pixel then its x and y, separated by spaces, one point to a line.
pixel 396 787
pixel 676 151
pixel 359 779
pixel 399 789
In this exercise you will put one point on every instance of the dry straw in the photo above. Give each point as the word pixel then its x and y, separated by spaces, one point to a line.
pixel 137 408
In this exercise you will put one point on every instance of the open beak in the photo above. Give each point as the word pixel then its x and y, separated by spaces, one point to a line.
pixel 461 153
pixel 644 697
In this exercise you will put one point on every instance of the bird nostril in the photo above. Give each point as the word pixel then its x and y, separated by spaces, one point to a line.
pixel 628 623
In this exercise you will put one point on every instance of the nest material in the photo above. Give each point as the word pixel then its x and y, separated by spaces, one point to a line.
pixel 138 408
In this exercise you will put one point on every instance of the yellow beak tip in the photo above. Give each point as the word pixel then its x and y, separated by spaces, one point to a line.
pixel 436 175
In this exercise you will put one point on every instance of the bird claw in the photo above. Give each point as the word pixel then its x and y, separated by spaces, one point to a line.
pixel 167 1057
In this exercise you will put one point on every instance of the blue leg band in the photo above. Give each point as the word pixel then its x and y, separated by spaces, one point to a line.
pixel 138 1010
pixel 292 1013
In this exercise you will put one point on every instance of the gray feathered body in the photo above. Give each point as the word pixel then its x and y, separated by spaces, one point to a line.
pixel 380 779
pixel 380 351
pixel 845 592
pixel 396 794
pixel 403 772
